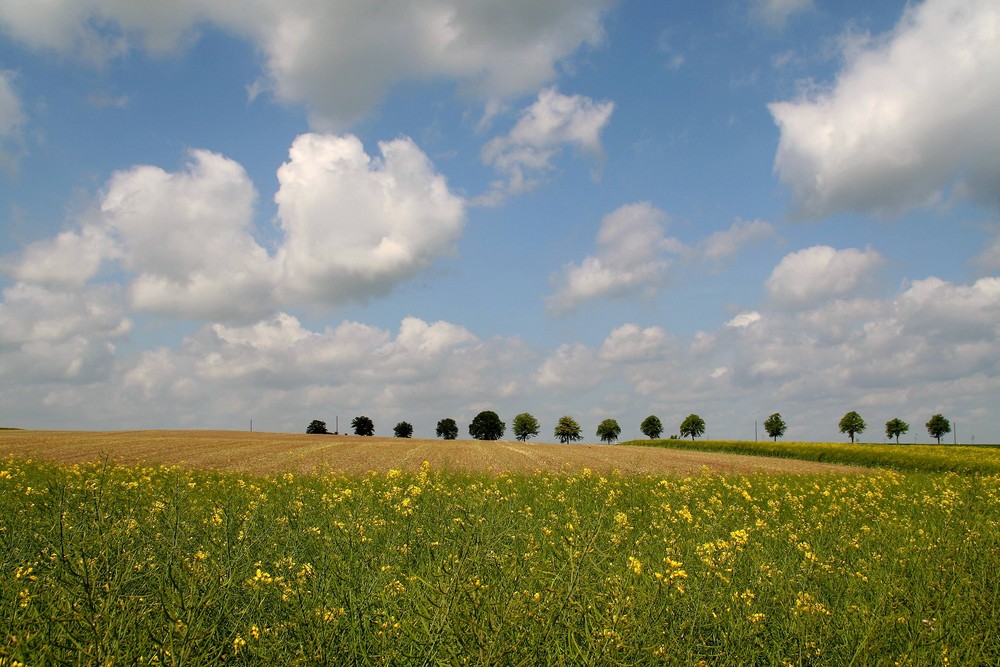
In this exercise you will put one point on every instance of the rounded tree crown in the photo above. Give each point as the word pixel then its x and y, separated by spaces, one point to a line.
pixel 487 426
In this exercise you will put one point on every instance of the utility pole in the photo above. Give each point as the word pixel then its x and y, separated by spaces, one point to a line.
pixel 251 425
pixel 755 430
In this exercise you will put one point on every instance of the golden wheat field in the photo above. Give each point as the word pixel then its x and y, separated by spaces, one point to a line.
pixel 265 453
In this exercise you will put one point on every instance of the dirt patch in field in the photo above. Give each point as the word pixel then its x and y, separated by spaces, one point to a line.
pixel 282 452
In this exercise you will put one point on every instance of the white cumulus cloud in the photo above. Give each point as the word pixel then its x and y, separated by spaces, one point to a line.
pixel 187 236
pixel 69 260
pixel 51 335
pixel 356 225
pixel 338 57
pixel 631 258
pixel 808 277
pixel 631 343
pixel 555 120
pixel 908 114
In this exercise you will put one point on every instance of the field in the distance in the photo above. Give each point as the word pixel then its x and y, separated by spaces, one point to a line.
pixel 264 453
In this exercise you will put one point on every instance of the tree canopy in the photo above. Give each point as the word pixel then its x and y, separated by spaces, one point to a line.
pixel 487 426
pixel 652 427
pixel 403 429
pixel 363 426
pixel 567 430
pixel 316 426
pixel 608 430
pixel 852 424
pixel 447 428
pixel 692 425
pixel 895 428
pixel 938 426
pixel 775 426
pixel 525 426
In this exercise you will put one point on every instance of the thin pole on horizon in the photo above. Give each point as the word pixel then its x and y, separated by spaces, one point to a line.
pixel 251 425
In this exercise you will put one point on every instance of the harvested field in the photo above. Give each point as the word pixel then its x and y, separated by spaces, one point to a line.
pixel 281 452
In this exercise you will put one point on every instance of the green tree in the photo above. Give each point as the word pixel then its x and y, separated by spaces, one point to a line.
pixel 895 428
pixel 567 430
pixel 652 427
pixel 692 425
pixel 487 426
pixel 447 429
pixel 775 426
pixel 316 426
pixel 525 426
pixel 852 424
pixel 938 426
pixel 363 426
pixel 608 430
pixel 403 429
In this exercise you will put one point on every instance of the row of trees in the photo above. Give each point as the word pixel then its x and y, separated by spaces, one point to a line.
pixel 852 424
pixel 487 425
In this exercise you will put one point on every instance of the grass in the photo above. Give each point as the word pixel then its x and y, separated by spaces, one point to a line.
pixel 115 564
pixel 927 458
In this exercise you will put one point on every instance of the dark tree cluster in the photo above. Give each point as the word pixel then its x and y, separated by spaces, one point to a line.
pixel 363 426
pixel 447 429
pixel 316 427
pixel 487 426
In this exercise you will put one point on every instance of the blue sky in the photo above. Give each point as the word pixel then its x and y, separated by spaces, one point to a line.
pixel 217 211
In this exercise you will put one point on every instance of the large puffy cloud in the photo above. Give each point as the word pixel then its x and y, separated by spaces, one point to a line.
pixel 340 57
pixel 630 258
pixel 355 225
pixel 907 115
pixel 56 336
pixel 808 277
pixel 958 312
pixel 69 260
pixel 34 313
pixel 188 237
pixel 553 121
